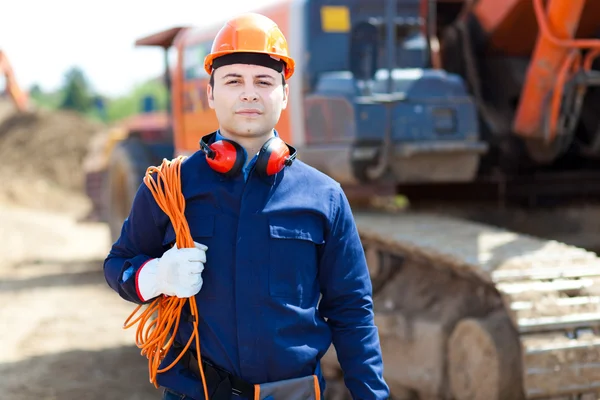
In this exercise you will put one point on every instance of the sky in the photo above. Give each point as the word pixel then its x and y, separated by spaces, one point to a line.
pixel 43 39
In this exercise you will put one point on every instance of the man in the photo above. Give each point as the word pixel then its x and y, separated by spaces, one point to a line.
pixel 271 239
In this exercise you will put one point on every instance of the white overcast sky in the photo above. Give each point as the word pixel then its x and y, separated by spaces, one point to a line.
pixel 43 38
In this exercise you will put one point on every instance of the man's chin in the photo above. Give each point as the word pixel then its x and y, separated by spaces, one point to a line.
pixel 252 131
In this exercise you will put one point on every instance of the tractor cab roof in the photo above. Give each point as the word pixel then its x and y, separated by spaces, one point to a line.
pixel 162 39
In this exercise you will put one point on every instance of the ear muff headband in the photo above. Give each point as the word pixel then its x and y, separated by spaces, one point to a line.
pixel 228 157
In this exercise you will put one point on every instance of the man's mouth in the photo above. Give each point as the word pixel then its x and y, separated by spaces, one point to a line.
pixel 249 112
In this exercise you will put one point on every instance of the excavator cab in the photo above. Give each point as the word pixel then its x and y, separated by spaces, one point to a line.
pixel 400 38
pixel 374 96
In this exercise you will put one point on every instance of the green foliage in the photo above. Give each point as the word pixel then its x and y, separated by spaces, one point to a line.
pixel 77 94
pixel 132 103
pixel 41 99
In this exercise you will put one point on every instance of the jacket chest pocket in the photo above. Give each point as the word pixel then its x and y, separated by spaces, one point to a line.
pixel 293 255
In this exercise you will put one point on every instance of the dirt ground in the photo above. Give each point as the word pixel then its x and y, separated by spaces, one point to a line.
pixel 61 329
pixel 61 326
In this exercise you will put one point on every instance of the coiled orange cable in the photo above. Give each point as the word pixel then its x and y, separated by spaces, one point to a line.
pixel 153 336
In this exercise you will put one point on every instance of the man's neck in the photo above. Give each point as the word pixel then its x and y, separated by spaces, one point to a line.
pixel 251 144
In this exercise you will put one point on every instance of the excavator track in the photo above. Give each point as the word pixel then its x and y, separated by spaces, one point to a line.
pixel 470 311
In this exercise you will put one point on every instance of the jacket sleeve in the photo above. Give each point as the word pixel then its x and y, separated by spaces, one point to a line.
pixel 348 306
pixel 141 240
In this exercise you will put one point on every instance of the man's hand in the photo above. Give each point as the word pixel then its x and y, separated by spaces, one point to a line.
pixel 177 273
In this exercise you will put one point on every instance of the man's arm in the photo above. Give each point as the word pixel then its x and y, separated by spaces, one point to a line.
pixel 347 304
pixel 140 241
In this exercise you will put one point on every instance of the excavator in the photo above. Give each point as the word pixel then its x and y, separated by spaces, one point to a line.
pixel 12 89
pixel 409 96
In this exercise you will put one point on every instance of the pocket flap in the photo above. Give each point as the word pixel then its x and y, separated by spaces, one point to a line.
pixel 304 227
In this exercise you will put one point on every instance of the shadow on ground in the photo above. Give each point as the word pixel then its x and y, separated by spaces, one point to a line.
pixel 108 374
pixel 70 273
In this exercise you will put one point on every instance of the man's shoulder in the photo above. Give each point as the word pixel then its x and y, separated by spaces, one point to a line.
pixel 313 176
pixel 195 162
pixel 196 174
pixel 194 157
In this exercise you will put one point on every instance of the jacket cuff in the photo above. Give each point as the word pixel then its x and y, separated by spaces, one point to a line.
pixel 128 281
pixel 137 281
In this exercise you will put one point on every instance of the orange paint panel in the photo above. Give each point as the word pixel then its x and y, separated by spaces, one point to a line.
pixel 283 126
pixel 176 98
pixel 510 26
pixel 546 62
pixel 197 117
pixel 491 13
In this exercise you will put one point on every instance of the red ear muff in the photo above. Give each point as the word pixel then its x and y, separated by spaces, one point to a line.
pixel 274 155
pixel 224 156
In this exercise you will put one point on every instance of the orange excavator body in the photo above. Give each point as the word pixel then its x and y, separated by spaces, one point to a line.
pixel 17 95
pixel 530 64
pixel 555 34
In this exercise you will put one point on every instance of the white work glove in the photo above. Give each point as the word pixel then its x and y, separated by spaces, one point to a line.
pixel 177 273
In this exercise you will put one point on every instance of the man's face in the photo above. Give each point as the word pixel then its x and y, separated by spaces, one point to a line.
pixel 247 99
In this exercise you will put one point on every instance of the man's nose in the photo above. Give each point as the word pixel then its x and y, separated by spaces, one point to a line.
pixel 249 93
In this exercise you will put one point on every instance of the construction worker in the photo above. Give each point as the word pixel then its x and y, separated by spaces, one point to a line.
pixel 278 271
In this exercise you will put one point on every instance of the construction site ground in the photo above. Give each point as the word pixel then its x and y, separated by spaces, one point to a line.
pixel 60 324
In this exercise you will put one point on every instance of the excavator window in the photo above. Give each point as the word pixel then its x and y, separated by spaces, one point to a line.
pixel 368 47
pixel 193 60
pixel 411 44
pixel 364 50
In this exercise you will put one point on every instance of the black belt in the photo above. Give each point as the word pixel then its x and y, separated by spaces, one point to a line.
pixel 221 384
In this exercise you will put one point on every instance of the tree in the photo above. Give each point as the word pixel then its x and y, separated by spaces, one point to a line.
pixel 135 101
pixel 77 94
pixel 36 91
pixel 45 99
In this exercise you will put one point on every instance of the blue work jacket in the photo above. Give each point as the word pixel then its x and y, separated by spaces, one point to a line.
pixel 274 246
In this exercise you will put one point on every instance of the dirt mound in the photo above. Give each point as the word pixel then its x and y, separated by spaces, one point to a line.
pixel 7 108
pixel 41 155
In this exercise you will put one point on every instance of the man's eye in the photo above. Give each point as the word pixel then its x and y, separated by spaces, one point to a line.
pixel 264 83
pixel 233 81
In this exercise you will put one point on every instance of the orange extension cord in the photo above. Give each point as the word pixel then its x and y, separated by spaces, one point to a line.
pixel 153 339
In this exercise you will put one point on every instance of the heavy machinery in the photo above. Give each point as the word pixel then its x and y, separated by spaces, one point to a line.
pixel 117 158
pixel 404 95
pixel 12 89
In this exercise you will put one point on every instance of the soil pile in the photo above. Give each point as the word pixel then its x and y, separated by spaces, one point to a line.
pixel 41 155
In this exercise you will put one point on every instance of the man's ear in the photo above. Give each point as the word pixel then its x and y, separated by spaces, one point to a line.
pixel 210 97
pixel 286 93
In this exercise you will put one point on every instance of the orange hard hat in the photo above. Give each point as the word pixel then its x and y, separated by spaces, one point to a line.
pixel 251 33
